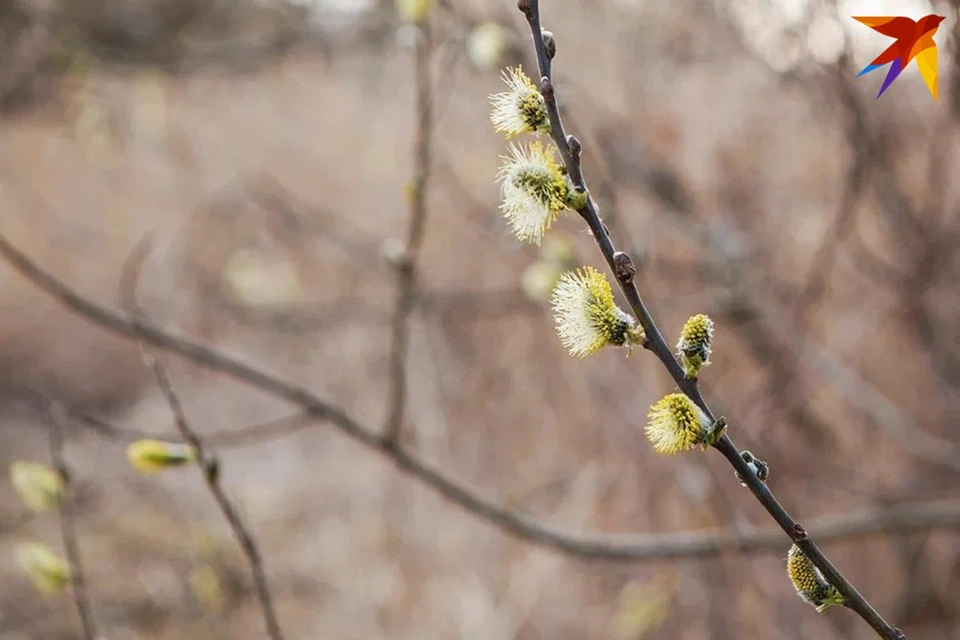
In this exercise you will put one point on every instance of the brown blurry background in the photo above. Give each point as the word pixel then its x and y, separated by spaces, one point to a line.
pixel 267 148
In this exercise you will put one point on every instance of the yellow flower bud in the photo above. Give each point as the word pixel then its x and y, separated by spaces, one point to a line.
pixel 414 11
pixel 486 44
pixel 206 588
pixel 38 486
pixel 521 109
pixel 693 348
pixel 48 572
pixel 533 190
pixel 153 456
pixel 810 584
pixel 676 424
pixel 587 318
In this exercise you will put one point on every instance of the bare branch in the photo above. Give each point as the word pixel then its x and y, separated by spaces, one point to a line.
pixel 68 528
pixel 584 546
pixel 407 262
pixel 209 465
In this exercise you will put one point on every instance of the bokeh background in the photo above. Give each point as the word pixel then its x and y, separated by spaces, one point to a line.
pixel 267 147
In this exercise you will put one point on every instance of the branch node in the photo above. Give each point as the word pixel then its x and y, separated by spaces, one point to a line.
pixel 623 267
pixel 574 146
pixel 546 90
pixel 799 533
pixel 760 468
pixel 717 431
pixel 212 470
pixel 524 6
pixel 549 43
pixel 396 254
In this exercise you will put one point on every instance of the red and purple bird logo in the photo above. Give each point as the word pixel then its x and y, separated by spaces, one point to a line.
pixel 914 40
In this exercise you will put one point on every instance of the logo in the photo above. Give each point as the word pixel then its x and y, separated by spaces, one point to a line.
pixel 914 40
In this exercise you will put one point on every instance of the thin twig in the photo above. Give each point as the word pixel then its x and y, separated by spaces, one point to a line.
pixel 621 265
pixel 407 263
pixel 68 528
pixel 585 546
pixel 209 465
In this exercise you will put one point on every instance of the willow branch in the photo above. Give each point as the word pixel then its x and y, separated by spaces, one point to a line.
pixel 624 270
pixel 68 530
pixel 209 465
pixel 407 264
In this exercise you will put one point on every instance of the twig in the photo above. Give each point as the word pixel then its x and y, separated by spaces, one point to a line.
pixel 209 465
pixel 584 546
pixel 407 263
pixel 622 266
pixel 68 529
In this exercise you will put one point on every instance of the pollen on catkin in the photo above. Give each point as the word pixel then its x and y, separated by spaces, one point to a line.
pixel 38 486
pixel 587 318
pixel 521 109
pixel 154 456
pixel 810 584
pixel 676 424
pixel 534 190
pixel 693 348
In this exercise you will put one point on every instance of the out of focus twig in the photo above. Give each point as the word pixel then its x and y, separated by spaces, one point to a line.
pixel 406 263
pixel 591 547
pixel 68 528
pixel 209 465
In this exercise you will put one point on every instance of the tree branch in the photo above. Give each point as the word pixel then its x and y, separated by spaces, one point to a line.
pixel 68 529
pixel 407 263
pixel 209 465
pixel 621 265
pixel 584 546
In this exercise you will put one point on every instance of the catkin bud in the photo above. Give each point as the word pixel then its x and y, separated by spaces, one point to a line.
pixel 206 587
pixel 48 572
pixel 587 317
pixel 693 348
pixel 38 486
pixel 676 424
pixel 809 582
pixel 153 456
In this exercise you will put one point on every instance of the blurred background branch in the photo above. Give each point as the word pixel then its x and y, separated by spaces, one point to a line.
pixel 68 530
pixel 405 261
